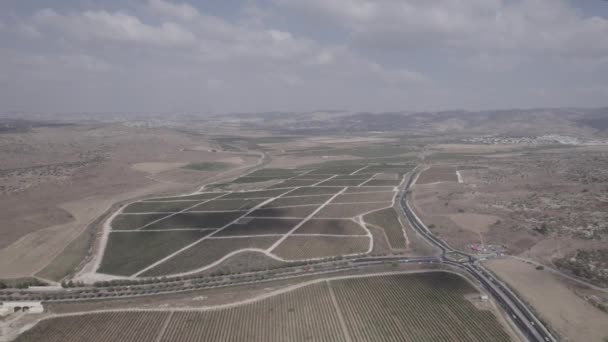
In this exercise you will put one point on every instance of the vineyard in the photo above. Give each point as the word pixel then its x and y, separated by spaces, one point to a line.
pixel 406 307
pixel 389 221
pixel 103 327
pixel 311 212
pixel 417 308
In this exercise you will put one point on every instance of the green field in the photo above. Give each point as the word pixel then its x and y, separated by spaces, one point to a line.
pixel 329 226
pixel 132 222
pixel 129 252
pixel 234 204
pixel 196 197
pixel 349 210
pixel 207 252
pixel 300 212
pixel 208 166
pixel 196 220
pixel 311 247
pixel 389 221
pixel 421 307
pixel 302 200
pixel 257 226
pixel 365 197
pixel 158 207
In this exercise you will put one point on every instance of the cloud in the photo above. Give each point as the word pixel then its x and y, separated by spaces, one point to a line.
pixel 181 11
pixel 113 27
pixel 482 25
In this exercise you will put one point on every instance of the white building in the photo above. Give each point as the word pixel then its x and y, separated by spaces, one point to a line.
pixel 26 307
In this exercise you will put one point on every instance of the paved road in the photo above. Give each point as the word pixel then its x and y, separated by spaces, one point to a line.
pixel 520 314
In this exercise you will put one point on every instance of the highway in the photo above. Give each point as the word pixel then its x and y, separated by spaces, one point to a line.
pixel 518 311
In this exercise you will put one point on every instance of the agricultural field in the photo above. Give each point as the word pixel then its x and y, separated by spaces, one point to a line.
pixel 206 252
pixel 345 210
pixel 128 252
pixel 332 227
pixel 419 307
pixel 388 220
pixel 438 310
pixel 306 221
pixel 101 327
pixel 133 222
pixel 298 247
pixel 259 226
pixel 300 200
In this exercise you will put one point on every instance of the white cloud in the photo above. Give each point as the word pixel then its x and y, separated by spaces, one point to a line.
pixel 181 11
pixel 534 25
pixel 112 26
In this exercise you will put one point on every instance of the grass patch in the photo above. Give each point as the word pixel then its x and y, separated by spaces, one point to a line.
pixel 363 189
pixel 197 220
pixel 158 207
pixel 207 252
pixel 257 226
pixel 303 200
pixel 256 194
pixel 131 222
pixel 299 212
pixel 308 247
pixel 349 210
pixel 383 182
pixel 293 183
pixel 306 191
pixel 342 183
pixel 389 221
pixel 363 197
pixel 330 226
pixel 233 204
pixel 127 253
pixel 197 197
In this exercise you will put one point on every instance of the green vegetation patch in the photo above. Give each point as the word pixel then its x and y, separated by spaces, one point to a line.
pixel 309 247
pixel 258 226
pixel 349 210
pixel 331 226
pixel 256 194
pixel 591 265
pixel 364 189
pixel 314 191
pixel 100 327
pixel 197 197
pixel 363 197
pixel 293 183
pixel 158 207
pixel 197 220
pixel 388 220
pixel 299 212
pixel 207 252
pixel 127 253
pixel 233 204
pixel 383 182
pixel 342 183
pixel 302 200
pixel 415 307
pixel 134 221
pixel 207 166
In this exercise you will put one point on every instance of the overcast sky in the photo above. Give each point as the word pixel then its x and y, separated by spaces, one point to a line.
pixel 263 55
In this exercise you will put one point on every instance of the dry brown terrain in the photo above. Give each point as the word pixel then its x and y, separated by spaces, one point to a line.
pixel 99 165
pixel 571 316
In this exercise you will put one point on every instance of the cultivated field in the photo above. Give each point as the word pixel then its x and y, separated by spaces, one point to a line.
pixel 310 214
pixel 419 307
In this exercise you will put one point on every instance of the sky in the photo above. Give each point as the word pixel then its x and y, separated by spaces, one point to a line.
pixel 207 56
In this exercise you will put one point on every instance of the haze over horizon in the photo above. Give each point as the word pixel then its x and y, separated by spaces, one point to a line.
pixel 272 55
